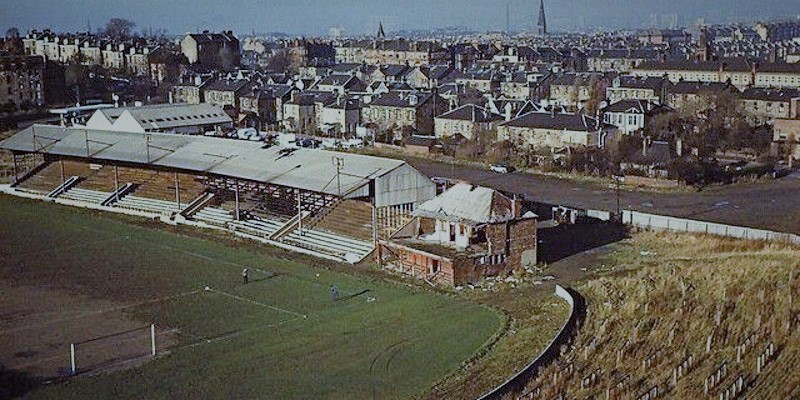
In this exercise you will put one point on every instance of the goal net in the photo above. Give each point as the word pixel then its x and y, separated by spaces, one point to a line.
pixel 112 349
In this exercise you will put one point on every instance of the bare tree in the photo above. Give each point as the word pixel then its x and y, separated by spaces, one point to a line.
pixel 119 28
pixel 597 94
pixel 12 33
pixel 13 43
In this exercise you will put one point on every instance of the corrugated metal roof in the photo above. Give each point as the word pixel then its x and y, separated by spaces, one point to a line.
pixel 306 169
pixel 167 116
pixel 467 203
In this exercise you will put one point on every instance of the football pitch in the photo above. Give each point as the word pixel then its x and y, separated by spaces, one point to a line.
pixel 73 276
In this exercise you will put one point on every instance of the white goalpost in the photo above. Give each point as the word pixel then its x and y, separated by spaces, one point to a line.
pixel 117 343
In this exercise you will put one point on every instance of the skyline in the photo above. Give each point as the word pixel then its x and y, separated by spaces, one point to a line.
pixel 357 17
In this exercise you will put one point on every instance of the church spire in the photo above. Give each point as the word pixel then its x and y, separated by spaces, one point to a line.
pixel 541 26
pixel 381 33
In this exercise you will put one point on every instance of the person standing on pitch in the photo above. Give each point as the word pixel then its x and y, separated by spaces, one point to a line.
pixel 245 276
pixel 334 293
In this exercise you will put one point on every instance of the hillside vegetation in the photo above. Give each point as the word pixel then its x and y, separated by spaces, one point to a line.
pixel 685 316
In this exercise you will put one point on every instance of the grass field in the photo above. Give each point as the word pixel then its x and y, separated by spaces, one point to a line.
pixel 75 274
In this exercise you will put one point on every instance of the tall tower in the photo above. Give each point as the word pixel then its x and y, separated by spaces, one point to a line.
pixel 381 34
pixel 704 50
pixel 541 26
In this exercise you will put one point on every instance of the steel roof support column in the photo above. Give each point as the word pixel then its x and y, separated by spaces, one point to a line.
pixel 236 194
pixel 16 170
pixel 116 184
pixel 177 191
pixel 299 214
pixel 63 176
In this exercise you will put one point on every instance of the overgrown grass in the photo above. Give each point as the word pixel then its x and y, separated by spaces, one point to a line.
pixel 535 315
pixel 397 346
pixel 663 297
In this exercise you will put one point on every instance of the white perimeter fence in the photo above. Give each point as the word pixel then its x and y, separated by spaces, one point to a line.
pixel 663 222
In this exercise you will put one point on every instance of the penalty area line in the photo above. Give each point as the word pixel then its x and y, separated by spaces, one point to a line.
pixel 271 307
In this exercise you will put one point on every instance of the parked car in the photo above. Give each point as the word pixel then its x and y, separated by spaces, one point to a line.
pixel 308 143
pixel 501 168
pixel 353 144
pixel 329 144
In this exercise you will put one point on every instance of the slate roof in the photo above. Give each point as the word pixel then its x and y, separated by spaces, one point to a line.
pixel 694 87
pixel 638 54
pixel 336 80
pixel 770 94
pixel 729 65
pixel 227 85
pixel 394 70
pixel 201 38
pixel 471 112
pixel 275 91
pixel 400 99
pixel 779 68
pixel 571 122
pixel 630 106
pixel 658 153
pixel 636 82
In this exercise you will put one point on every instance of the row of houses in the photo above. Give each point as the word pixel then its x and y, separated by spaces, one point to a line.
pixel 738 71
pixel 132 56
pixel 761 104
pixel 136 56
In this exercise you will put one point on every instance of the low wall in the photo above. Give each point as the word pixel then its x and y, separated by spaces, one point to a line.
pixel 577 311
pixel 663 222
pixel 643 181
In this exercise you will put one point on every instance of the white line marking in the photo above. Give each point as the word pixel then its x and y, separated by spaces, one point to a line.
pixel 233 296
pixel 231 335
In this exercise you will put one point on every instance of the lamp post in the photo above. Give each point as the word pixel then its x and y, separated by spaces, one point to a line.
pixel 339 163
pixel 617 181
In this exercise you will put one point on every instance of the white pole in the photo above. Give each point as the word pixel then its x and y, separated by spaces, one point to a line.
pixel 72 357
pixel 299 214
pixel 153 338
pixel 236 193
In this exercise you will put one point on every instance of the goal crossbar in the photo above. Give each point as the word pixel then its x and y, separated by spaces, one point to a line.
pixel 72 346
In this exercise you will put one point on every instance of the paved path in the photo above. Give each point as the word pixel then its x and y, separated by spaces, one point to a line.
pixel 771 205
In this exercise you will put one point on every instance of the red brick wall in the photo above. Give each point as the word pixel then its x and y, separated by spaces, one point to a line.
pixel 523 237
pixel 418 264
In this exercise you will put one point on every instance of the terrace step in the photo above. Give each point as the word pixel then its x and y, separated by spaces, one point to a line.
pixel 149 205
pixel 257 227
pixel 332 244
pixel 214 216
pixel 350 218
pixel 85 195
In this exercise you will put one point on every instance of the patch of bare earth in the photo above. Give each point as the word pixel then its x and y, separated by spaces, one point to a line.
pixel 38 324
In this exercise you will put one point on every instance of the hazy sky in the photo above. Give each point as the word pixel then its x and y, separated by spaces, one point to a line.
pixel 316 17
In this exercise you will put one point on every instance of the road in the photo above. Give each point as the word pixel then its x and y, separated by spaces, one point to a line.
pixel 769 205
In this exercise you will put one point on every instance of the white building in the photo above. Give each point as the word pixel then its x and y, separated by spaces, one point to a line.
pixel 176 118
